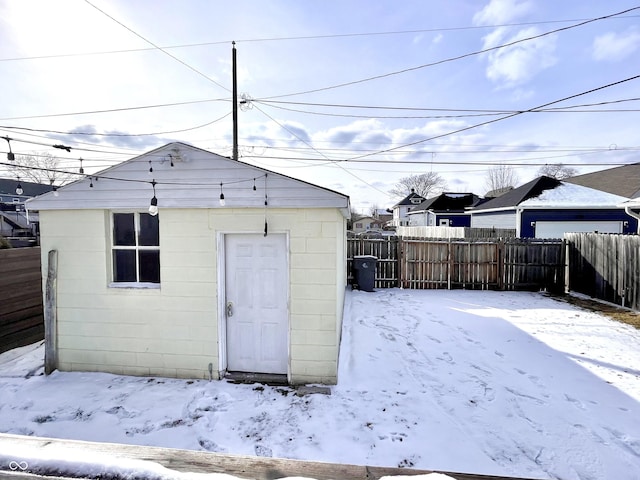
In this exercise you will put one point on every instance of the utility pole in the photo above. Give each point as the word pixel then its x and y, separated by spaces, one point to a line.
pixel 235 101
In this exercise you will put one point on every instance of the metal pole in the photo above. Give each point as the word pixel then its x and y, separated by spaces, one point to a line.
pixel 235 101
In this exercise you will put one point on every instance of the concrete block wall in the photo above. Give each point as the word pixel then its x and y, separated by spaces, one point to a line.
pixel 173 330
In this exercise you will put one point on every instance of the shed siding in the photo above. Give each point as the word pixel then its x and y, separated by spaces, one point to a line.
pixel 173 331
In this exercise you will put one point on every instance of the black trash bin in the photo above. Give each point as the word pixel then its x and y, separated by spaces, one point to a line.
pixel 364 272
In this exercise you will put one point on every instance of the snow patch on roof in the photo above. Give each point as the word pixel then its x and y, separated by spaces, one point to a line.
pixel 570 195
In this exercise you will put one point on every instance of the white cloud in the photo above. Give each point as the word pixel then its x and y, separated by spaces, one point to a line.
pixel 613 47
pixel 502 11
pixel 515 65
pixel 512 66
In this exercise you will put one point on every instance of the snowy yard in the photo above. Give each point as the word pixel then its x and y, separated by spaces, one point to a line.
pixel 502 383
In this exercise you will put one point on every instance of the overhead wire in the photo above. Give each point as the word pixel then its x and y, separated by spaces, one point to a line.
pixel 327 158
pixel 118 134
pixel 112 110
pixel 303 37
pixel 158 47
pixel 451 59
pixel 495 120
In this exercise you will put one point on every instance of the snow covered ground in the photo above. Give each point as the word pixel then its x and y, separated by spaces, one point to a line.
pixel 502 383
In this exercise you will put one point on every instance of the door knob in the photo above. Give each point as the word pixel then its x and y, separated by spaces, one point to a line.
pixel 229 309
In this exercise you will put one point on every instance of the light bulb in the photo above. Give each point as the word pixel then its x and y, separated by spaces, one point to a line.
pixel 19 189
pixel 153 208
pixel 222 200
pixel 55 191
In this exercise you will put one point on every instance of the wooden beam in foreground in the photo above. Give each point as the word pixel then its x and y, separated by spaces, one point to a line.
pixel 260 468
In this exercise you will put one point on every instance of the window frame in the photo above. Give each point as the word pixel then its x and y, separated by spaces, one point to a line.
pixel 135 248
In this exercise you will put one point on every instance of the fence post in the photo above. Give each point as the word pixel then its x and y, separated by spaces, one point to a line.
pixel 50 315
pixel 449 264
pixel 500 263
pixel 400 255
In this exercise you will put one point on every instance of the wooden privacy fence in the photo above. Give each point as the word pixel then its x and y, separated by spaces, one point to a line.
pixel 499 264
pixel 21 317
pixel 605 266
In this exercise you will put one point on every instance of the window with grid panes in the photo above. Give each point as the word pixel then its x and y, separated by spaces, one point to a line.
pixel 136 248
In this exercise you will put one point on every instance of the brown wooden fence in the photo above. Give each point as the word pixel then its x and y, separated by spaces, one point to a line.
pixel 499 264
pixel 605 266
pixel 21 317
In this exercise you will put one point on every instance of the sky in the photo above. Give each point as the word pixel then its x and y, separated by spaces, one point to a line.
pixel 498 383
pixel 350 95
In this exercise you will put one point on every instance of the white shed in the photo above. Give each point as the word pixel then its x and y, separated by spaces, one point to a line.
pixel 240 270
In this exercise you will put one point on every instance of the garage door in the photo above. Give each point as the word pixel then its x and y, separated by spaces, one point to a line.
pixel 558 229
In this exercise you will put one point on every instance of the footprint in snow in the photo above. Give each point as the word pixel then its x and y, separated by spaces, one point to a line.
pixel 262 451
pixel 446 357
pixel 208 445
pixel 574 401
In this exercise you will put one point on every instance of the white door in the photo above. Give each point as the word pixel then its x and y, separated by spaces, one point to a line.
pixel 257 316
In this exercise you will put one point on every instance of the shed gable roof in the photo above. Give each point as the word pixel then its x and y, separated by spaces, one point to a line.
pixel 196 180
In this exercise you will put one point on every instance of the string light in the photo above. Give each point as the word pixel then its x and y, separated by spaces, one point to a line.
pixel 150 168
pixel 90 182
pixel 254 185
pixel 222 200
pixel 81 168
pixel 10 156
pixel 19 190
pixel 55 191
pixel 266 227
pixel 153 207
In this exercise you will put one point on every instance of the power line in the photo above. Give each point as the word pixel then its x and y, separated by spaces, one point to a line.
pixel 451 59
pixel 436 109
pixel 123 109
pixel 329 160
pixel 470 127
pixel 467 115
pixel 511 162
pixel 302 37
pixel 159 48
pixel 97 134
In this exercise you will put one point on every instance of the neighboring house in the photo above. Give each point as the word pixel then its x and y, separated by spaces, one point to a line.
pixel 240 270
pixel 401 208
pixel 14 221
pixel 497 192
pixel 548 208
pixel 445 210
pixel 623 181
pixel 384 215
pixel 364 224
